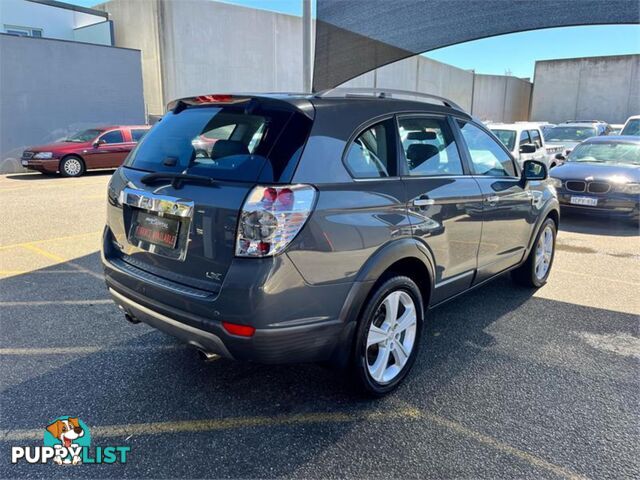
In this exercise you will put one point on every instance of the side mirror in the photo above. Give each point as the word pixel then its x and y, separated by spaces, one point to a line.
pixel 99 142
pixel 528 148
pixel 534 170
pixel 560 157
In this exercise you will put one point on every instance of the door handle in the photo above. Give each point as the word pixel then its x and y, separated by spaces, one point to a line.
pixel 493 199
pixel 423 201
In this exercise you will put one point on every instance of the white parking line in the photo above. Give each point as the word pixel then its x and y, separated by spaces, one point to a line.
pixel 39 303
pixel 83 350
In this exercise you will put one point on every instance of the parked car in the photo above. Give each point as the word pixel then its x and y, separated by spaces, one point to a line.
pixel 327 239
pixel 602 176
pixel 570 134
pixel 616 128
pixel 102 147
pixel 543 126
pixel 631 126
pixel 526 142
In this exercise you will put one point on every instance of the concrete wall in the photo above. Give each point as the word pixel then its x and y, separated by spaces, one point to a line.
pixel 198 46
pixel 602 88
pixel 501 98
pixel 136 25
pixel 488 97
pixel 192 47
pixel 100 85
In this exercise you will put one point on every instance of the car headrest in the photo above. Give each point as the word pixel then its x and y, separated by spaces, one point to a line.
pixel 225 148
pixel 421 135
pixel 419 153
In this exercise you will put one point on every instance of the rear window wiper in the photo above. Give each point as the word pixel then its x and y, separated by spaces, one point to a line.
pixel 177 179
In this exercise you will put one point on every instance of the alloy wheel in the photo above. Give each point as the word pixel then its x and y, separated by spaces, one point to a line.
pixel 391 337
pixel 544 253
pixel 72 167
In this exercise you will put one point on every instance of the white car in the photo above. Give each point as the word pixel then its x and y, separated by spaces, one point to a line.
pixel 631 126
pixel 525 141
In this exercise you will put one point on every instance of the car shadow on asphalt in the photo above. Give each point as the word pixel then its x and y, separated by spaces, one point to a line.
pixel 40 177
pixel 126 384
pixel 576 223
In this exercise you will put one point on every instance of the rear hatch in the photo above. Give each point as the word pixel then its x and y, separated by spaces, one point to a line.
pixel 174 204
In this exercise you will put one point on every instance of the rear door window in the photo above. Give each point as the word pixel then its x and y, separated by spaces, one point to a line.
pixel 371 154
pixel 232 142
pixel 429 147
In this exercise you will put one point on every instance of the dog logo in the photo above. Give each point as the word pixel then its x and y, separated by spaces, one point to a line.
pixel 68 435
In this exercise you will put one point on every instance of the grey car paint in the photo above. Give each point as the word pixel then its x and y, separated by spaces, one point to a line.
pixel 305 302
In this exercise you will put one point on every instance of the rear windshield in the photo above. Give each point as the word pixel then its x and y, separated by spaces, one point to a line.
pixel 245 142
pixel 570 134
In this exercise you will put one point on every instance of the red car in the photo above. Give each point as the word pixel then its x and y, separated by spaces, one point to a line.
pixel 103 147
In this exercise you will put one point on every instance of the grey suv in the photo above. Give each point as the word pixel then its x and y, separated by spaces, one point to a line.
pixel 319 228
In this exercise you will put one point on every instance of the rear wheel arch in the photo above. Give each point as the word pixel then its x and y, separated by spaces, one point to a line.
pixel 402 257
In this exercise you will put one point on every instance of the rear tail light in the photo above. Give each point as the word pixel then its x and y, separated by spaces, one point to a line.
pixel 240 330
pixel 271 217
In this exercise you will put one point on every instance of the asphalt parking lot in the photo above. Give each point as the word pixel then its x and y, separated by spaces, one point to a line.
pixel 507 385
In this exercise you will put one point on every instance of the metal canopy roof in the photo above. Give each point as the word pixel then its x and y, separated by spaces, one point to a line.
pixel 357 36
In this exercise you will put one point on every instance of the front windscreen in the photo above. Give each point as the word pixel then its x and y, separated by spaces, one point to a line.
pixel 605 152
pixel 227 142
pixel 83 136
pixel 570 134
pixel 507 137
pixel 632 127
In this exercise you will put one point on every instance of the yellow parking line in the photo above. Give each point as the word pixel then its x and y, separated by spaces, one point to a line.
pixel 208 425
pixel 59 259
pixel 82 350
pixel 21 272
pixel 39 303
pixel 67 237
pixel 501 446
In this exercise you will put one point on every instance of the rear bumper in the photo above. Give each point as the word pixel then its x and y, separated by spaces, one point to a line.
pixel 298 344
pixel 294 322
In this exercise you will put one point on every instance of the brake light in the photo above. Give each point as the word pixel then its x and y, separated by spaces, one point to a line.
pixel 240 330
pixel 271 217
pixel 213 99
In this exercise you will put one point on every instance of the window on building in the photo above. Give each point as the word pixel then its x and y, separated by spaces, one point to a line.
pixel 23 31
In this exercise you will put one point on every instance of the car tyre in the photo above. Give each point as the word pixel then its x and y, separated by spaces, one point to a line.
pixel 387 342
pixel 534 272
pixel 72 166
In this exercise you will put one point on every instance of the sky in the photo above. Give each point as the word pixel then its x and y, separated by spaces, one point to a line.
pixel 514 53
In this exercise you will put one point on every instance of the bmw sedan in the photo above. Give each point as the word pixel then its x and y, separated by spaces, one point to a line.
pixel 601 176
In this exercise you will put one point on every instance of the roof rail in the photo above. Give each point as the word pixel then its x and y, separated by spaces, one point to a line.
pixel 384 93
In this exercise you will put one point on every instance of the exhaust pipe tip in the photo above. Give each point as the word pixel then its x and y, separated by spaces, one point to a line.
pixel 131 319
pixel 208 356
